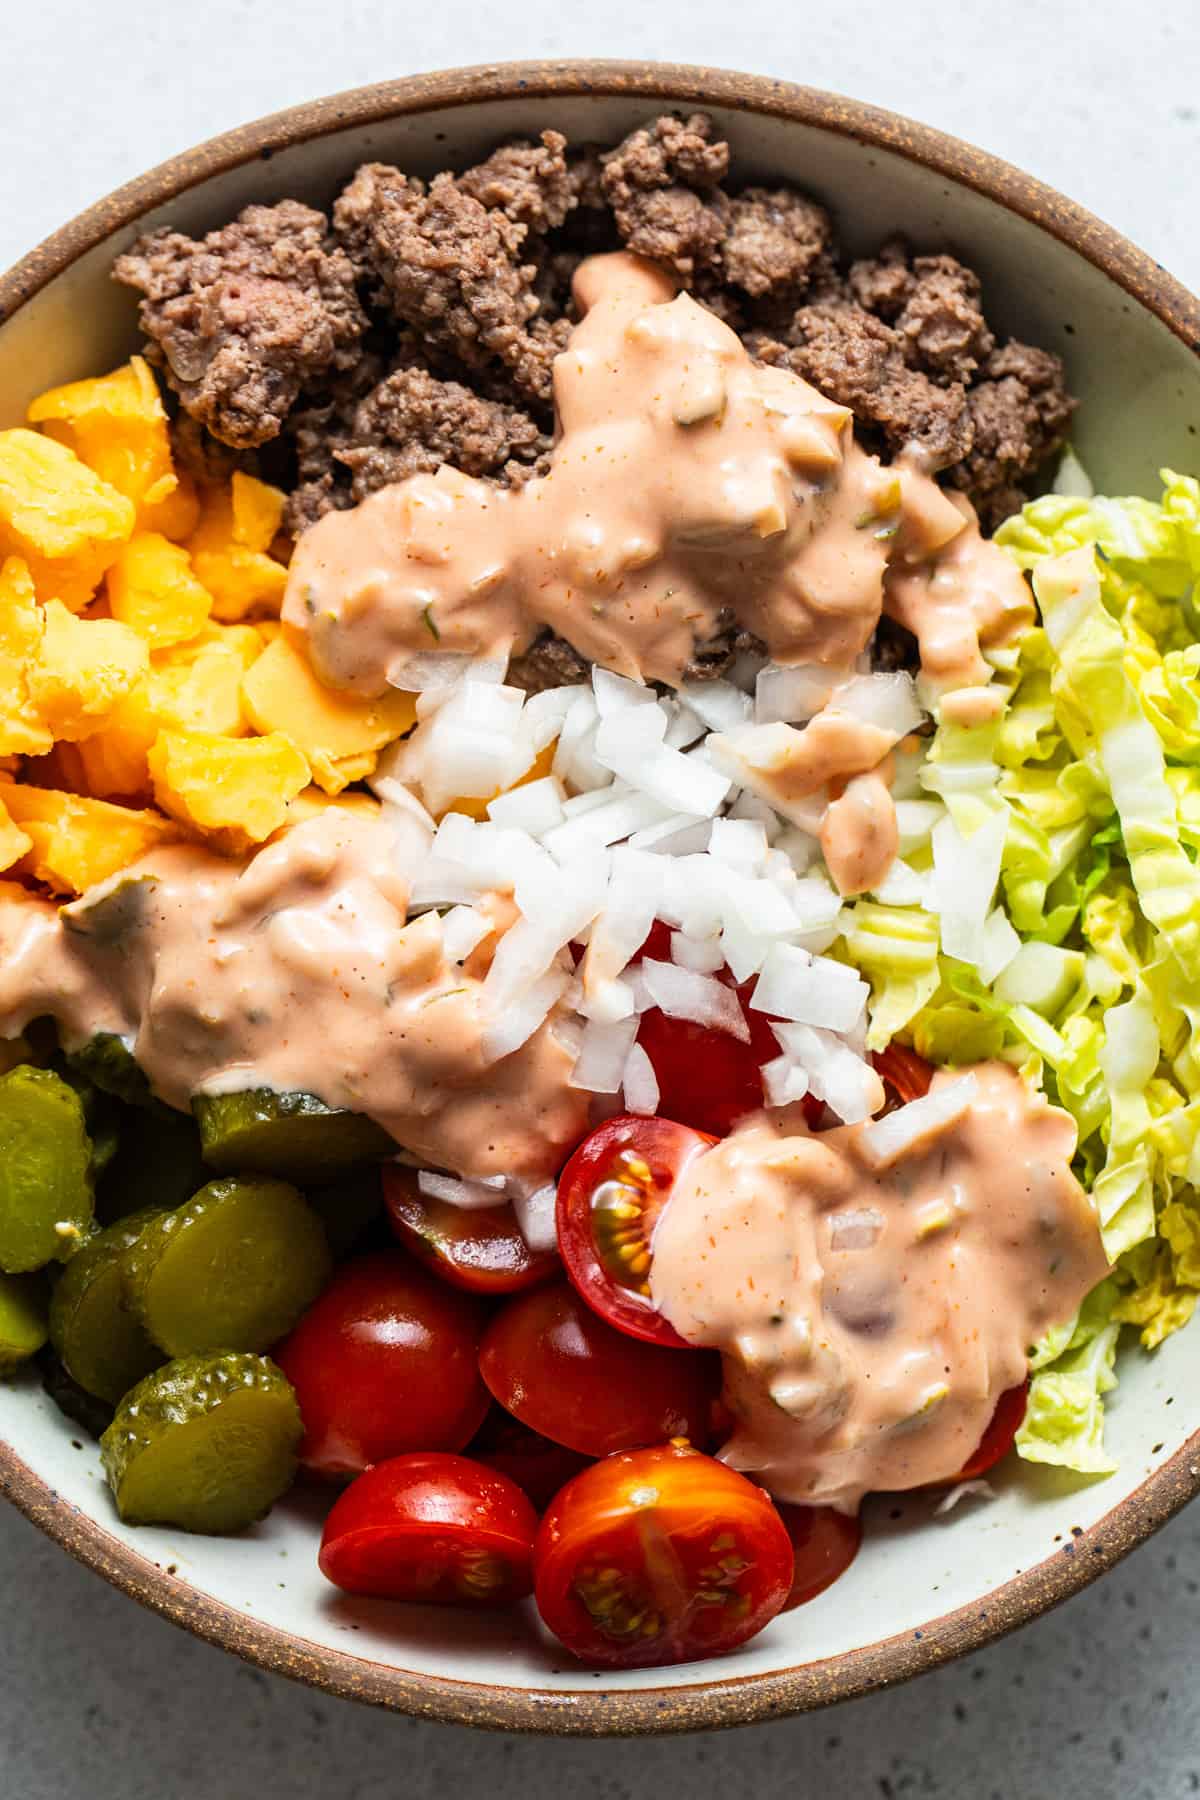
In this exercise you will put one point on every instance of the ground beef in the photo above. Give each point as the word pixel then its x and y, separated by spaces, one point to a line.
pixel 529 183
pixel 859 361
pixel 243 320
pixel 413 422
pixel 549 662
pixel 1019 413
pixel 661 183
pixel 774 240
pixel 716 655
pixel 448 267
pixel 423 327
pixel 196 452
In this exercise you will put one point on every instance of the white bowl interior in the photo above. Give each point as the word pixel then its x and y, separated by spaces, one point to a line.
pixel 1140 388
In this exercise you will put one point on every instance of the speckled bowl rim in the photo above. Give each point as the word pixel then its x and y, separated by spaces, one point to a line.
pixel 714 1701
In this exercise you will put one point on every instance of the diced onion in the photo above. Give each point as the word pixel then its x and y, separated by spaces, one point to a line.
pixel 536 807
pixel 600 1065
pixel 462 929
pixel 536 1216
pixel 886 1139
pixel 470 1195
pixel 722 706
pixel 792 695
pixel 813 990
pixel 522 1016
pixel 856 1229
pixel 681 994
pixel 888 701
pixel 639 1084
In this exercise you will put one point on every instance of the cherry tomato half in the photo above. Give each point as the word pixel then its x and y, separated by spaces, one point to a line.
pixel 383 1363
pixel 707 1079
pixel 997 1440
pixel 660 1556
pixel 432 1528
pixel 538 1465
pixel 549 1359
pixel 908 1074
pixel 609 1198
pixel 824 1544
pixel 481 1250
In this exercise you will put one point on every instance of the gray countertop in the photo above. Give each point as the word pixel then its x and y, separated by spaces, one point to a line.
pixel 99 1699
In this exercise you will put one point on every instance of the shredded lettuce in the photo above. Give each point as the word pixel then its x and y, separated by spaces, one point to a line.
pixel 1084 795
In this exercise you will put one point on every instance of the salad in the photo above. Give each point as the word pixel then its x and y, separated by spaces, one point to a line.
pixel 600 928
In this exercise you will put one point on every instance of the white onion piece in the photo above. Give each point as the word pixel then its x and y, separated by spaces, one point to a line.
pixel 792 695
pixel 1000 945
pixel 742 843
pixel 599 826
pixel 681 994
pixel 536 1216
pixel 902 885
pixel 601 1061
pixel 703 955
pixel 462 929
pixel 470 1195
pixel 749 806
pixel 545 712
pixel 608 1001
pixel 630 743
pixel 856 1229
pixel 677 835
pixel 784 1081
pixel 963 1490
pixel 522 1016
pixel 574 758
pixel 721 705
pixel 888 701
pixel 883 1141
pixel 813 990
pixel 614 693
pixel 684 727
pixel 744 951
pixel 915 819
pixel 537 807
pixel 630 908
pixel 836 1075
pixel 444 669
pixel 639 1083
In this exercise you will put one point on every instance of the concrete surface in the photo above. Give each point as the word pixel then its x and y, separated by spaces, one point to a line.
pixel 102 1701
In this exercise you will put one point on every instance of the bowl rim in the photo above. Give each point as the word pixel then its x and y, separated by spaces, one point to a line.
pixel 715 1701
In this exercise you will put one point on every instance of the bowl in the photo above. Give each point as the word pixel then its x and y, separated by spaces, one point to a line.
pixel 926 1587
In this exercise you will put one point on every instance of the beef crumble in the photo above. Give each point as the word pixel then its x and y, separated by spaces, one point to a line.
pixel 420 323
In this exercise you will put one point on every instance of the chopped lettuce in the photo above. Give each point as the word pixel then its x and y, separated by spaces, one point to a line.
pixel 1086 790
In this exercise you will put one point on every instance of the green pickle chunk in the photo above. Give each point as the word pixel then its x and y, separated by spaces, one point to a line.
pixel 206 1443
pixel 232 1269
pixel 22 1319
pixel 100 1340
pixel 108 1063
pixel 45 1170
pixel 293 1135
pixel 157 1165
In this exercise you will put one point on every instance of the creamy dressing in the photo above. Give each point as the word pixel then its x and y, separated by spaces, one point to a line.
pixel 870 1318
pixel 296 971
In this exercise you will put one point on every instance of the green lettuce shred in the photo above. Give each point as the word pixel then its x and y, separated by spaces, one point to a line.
pixel 1096 759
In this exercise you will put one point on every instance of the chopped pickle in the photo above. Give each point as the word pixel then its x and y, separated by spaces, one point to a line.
pixel 101 1114
pixel 207 1443
pixel 293 1135
pixel 232 1269
pixel 107 1061
pixel 99 1338
pixel 45 1170
pixel 157 1165
pixel 22 1319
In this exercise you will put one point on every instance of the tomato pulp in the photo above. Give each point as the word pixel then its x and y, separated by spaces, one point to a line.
pixel 610 1196
pixel 660 1556
pixel 434 1528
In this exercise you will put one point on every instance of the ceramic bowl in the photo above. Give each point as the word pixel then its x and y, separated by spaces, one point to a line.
pixel 925 1587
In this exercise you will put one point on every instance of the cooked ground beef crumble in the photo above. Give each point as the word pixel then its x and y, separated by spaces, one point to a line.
pixel 419 324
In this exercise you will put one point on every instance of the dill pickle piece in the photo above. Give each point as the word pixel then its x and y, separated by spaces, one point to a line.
pixel 100 1340
pixel 107 1062
pixel 206 1443
pixel 46 1200
pixel 232 1269
pixel 293 1135
pixel 72 1401
pixel 22 1319
pixel 157 1165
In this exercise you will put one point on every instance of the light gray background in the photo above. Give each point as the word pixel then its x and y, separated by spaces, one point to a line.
pixel 100 1700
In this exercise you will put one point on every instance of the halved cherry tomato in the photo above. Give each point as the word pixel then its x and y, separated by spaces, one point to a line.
pixel 707 1079
pixel 824 1544
pixel 997 1440
pixel 609 1198
pixel 481 1250
pixel 904 1071
pixel 433 1528
pixel 548 1359
pixel 660 1556
pixel 538 1465
pixel 383 1363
